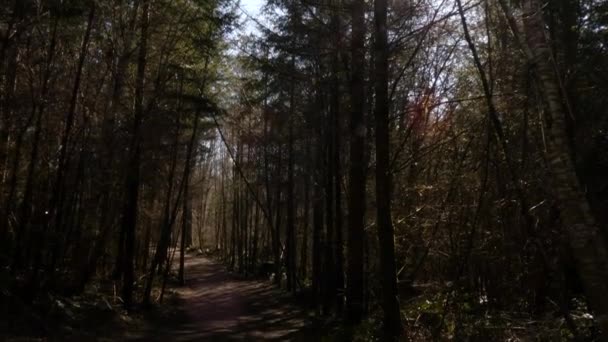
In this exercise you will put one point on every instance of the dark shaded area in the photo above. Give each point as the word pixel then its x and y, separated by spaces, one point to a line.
pixel 216 305
pixel 90 317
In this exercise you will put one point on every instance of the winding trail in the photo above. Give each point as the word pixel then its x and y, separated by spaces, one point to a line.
pixel 215 305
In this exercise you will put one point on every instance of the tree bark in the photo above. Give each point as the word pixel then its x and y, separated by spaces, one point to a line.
pixel 58 192
pixel 317 243
pixel 290 243
pixel 388 278
pixel 305 220
pixel 186 216
pixel 356 184
pixel 277 226
pixel 129 216
pixel 585 239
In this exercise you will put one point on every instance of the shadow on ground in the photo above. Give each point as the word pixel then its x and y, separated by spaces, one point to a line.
pixel 218 306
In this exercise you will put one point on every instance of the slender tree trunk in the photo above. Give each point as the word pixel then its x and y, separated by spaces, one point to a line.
pixel 26 203
pixel 290 242
pixel 290 236
pixel 277 226
pixel 188 232
pixel 233 235
pixel 167 217
pixel 337 183
pixel 240 212
pixel 356 185
pixel 58 192
pixel 218 220
pixel 204 219
pixel 388 277
pixel 305 220
pixel 148 238
pixel 107 153
pixel 186 220
pixel 329 269
pixel 317 240
pixel 165 237
pixel 129 216
pixel 224 223
pixel 254 243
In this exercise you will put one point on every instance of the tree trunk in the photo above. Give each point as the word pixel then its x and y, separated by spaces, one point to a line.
pixel 58 191
pixel 290 237
pixel 224 223
pixel 329 269
pixel 586 241
pixel 167 218
pixel 235 220
pixel 129 216
pixel 277 226
pixel 254 242
pixel 337 133
pixel 356 185
pixel 186 220
pixel 388 278
pixel 305 219
pixel 26 202
pixel 317 242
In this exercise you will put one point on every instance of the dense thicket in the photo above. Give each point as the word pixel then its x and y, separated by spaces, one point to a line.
pixel 103 104
pixel 436 166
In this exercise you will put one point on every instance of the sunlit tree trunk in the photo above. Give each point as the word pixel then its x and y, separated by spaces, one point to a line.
pixel 586 242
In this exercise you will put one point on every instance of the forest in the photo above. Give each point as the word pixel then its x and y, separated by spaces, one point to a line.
pixel 404 170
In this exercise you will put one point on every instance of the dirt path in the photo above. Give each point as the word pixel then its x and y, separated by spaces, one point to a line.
pixel 218 306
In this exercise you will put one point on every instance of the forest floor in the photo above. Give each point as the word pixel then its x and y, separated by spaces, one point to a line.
pixel 216 305
pixel 213 305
